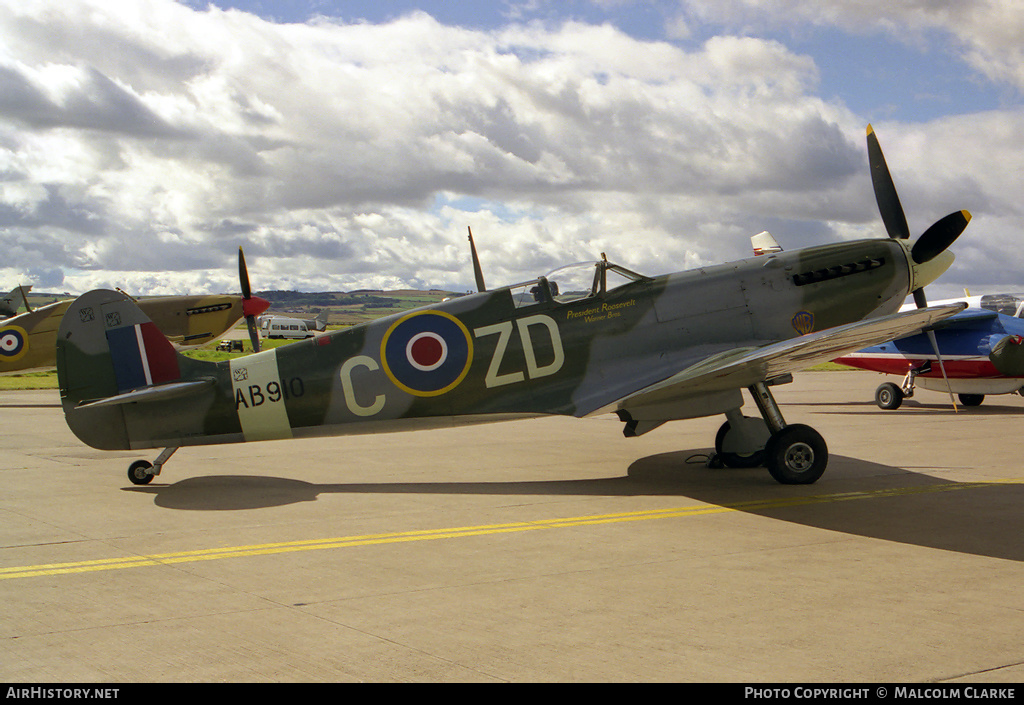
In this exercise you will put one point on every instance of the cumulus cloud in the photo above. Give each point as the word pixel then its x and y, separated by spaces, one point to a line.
pixel 141 143
pixel 984 33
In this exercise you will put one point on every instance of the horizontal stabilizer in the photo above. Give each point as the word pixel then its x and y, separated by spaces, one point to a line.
pixel 151 394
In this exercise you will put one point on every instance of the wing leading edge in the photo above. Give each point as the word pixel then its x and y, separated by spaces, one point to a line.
pixel 742 367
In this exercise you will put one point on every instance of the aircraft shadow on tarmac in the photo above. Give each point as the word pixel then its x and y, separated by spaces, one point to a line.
pixel 887 503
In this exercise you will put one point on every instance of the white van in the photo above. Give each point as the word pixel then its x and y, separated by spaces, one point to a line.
pixel 282 327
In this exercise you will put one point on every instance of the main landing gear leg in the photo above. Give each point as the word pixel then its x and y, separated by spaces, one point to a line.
pixel 142 472
pixel 794 455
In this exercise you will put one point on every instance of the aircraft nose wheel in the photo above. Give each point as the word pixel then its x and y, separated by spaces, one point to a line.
pixel 796 455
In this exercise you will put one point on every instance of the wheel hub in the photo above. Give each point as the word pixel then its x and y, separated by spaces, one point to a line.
pixel 799 457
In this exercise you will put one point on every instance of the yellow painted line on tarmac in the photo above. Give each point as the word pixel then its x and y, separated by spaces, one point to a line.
pixel 212 554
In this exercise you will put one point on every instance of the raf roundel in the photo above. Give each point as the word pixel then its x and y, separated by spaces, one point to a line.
pixel 427 353
pixel 13 343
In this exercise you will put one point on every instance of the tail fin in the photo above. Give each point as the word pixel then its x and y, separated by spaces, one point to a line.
pixel 11 301
pixel 109 354
pixel 320 322
pixel 108 346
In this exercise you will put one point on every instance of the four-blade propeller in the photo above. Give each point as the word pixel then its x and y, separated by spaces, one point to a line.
pixel 935 239
pixel 932 243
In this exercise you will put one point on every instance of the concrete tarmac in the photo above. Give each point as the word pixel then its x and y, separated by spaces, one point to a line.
pixel 542 550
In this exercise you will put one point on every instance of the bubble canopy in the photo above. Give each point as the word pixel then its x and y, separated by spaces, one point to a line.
pixel 573 282
pixel 1006 304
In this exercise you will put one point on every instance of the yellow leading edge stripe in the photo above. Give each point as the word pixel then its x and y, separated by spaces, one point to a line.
pixel 212 554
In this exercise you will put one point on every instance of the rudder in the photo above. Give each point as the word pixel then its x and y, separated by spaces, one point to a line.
pixel 106 346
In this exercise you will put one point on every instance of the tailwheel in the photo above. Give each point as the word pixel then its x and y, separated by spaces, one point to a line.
pixel 141 472
pixel 796 455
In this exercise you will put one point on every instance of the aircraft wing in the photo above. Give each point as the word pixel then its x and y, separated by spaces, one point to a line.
pixel 743 367
pixel 970 315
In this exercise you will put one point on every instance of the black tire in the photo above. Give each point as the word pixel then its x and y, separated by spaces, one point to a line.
pixel 888 396
pixel 139 472
pixel 736 460
pixel 796 455
pixel 971 399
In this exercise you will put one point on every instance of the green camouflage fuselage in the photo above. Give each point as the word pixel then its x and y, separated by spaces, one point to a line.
pixel 483 357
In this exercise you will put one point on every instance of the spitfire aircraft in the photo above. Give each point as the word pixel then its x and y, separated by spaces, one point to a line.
pixel 28 340
pixel 585 340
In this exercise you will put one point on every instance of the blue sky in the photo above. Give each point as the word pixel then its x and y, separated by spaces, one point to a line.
pixel 349 144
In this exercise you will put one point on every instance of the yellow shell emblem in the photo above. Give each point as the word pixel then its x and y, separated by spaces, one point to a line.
pixel 803 322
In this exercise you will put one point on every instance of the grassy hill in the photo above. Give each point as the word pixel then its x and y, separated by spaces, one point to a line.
pixel 349 308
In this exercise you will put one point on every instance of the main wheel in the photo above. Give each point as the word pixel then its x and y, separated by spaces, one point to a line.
pixel 971 399
pixel 139 472
pixel 736 460
pixel 796 455
pixel 888 396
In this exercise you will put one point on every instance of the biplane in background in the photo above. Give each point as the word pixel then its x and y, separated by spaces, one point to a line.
pixel 28 339
pixel 585 340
